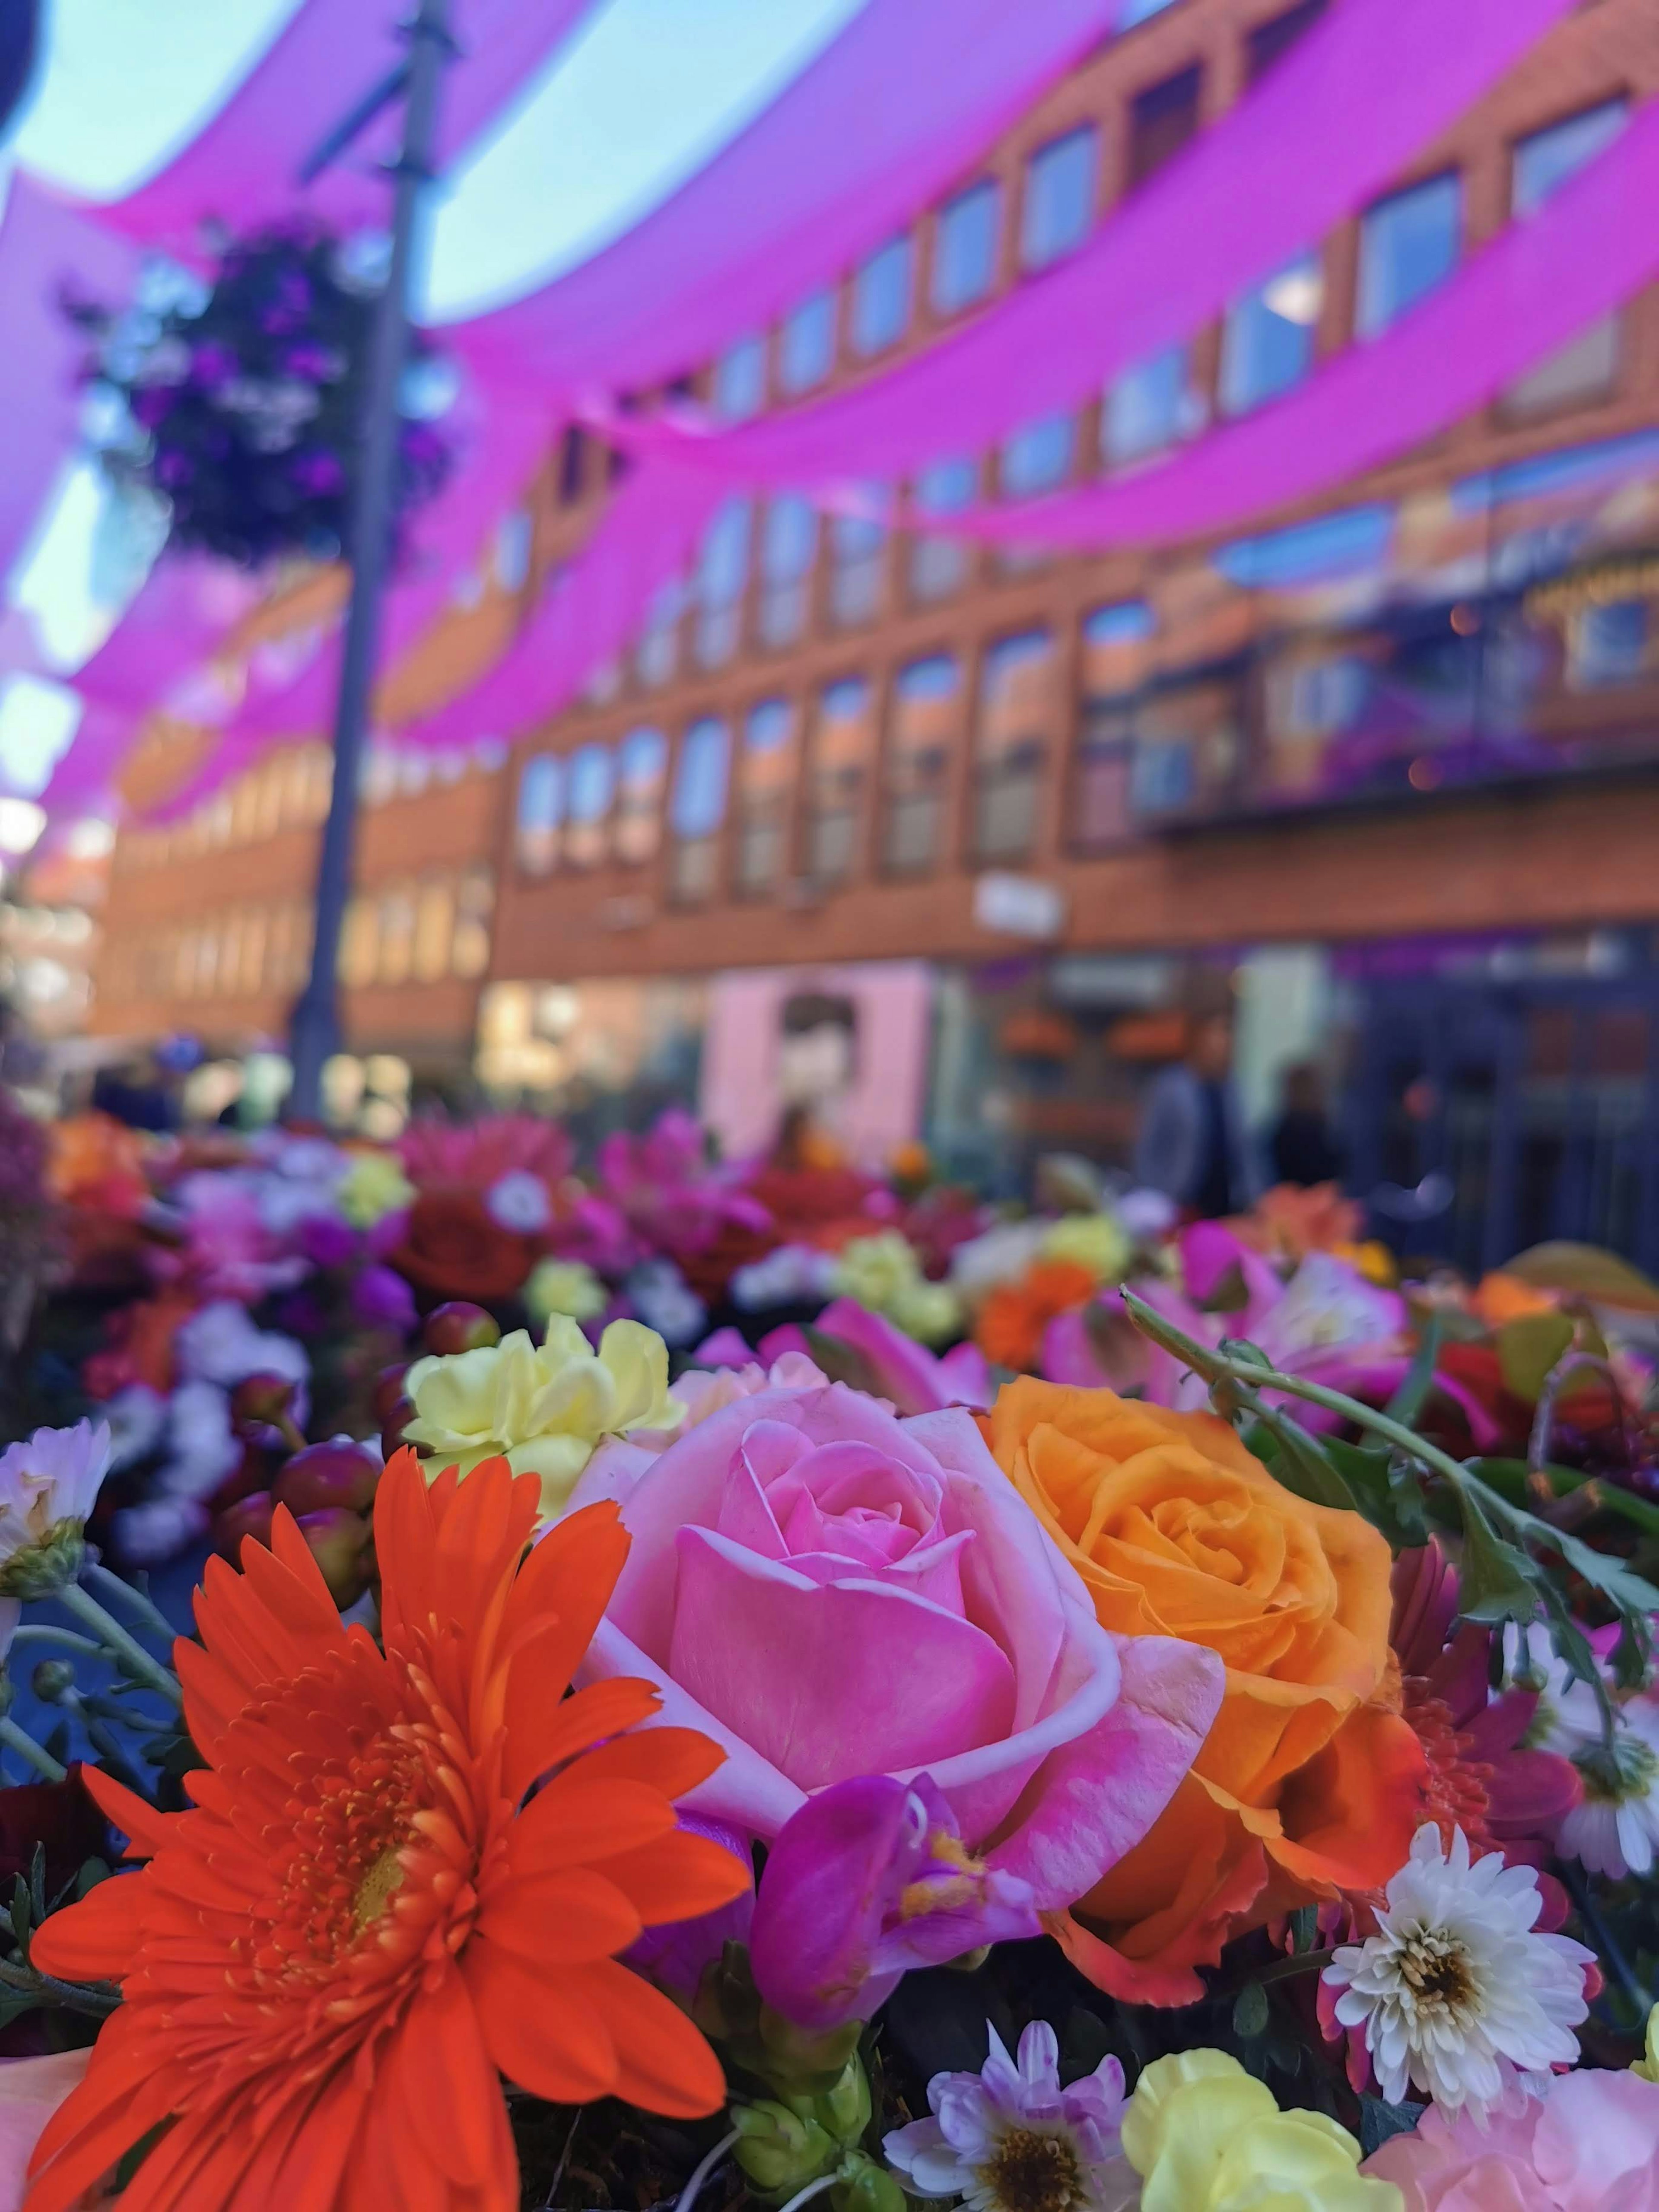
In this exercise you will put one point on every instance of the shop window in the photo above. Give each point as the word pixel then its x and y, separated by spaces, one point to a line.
pixel 699 807
pixel 657 655
pixel 806 344
pixel 881 299
pixel 1013 741
pixel 588 790
pixel 1150 407
pixel 1160 121
pixel 1187 748
pixel 926 719
pixel 858 551
pixel 938 566
pixel 1059 197
pixel 788 547
pixel 1273 38
pixel 642 778
pixel 766 794
pixel 722 573
pixel 843 741
pixel 541 813
pixel 1608 645
pixel 1587 366
pixel 1268 345
pixel 434 931
pixel 1408 245
pixel 739 381
pixel 474 906
pixel 965 247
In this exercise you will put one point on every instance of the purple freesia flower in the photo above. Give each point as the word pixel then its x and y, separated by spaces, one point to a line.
pixel 868 1879
pixel 675 1955
pixel 380 1298
pixel 1009 2137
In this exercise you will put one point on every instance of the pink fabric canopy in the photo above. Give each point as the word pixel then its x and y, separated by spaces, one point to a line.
pixel 1535 287
pixel 907 96
pixel 242 168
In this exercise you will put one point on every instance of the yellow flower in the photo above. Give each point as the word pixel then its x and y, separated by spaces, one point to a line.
pixel 1206 2136
pixel 1372 1260
pixel 564 1286
pixel 372 1187
pixel 1095 1241
pixel 1648 2066
pixel 542 1408
pixel 884 1273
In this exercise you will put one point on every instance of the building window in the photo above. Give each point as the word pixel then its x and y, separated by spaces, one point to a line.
pixel 641 775
pixel 1059 197
pixel 1587 366
pixel 699 808
pixel 881 298
pixel 858 547
pixel 789 544
pixel 1608 645
pixel 657 655
pixel 965 247
pixel 806 345
pixel 926 715
pixel 397 933
pixel 1016 705
pixel 1115 640
pixel 475 904
pixel 434 931
pixel 938 566
pixel 739 382
pixel 1160 121
pixel 722 572
pixel 843 739
pixel 1037 457
pixel 541 813
pixel 588 790
pixel 1150 407
pixel 1407 245
pixel 1268 345
pixel 1274 37
pixel 767 791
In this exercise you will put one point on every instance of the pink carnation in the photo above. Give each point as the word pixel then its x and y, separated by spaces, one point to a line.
pixel 1591 2145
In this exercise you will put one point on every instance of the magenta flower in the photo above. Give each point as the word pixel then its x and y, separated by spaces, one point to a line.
pixel 1589 2144
pixel 669 1194
pixel 903 1370
pixel 869 1879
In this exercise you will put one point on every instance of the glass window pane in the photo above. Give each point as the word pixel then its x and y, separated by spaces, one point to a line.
pixel 1059 197
pixel 1149 407
pixel 1038 457
pixel 1160 121
pixel 700 782
pixel 587 802
pixel 926 716
pixel 475 903
pixel 641 773
pixel 722 573
pixel 938 566
pixel 396 947
pixel 1274 37
pixel 843 739
pixel 541 813
pixel 768 782
pixel 965 246
pixel 881 298
pixel 788 549
pixel 740 380
pixel 1409 244
pixel 857 552
pixel 657 654
pixel 434 931
pixel 1017 708
pixel 1268 345
pixel 806 352
pixel 1548 158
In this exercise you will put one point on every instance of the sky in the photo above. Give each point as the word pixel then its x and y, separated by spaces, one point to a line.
pixel 633 103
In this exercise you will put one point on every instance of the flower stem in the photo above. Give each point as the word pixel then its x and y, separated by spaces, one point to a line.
pixel 119 1640
pixel 1281 1970
pixel 701 2172
pixel 812 2189
pixel 43 1631
pixel 19 1740
pixel 113 1586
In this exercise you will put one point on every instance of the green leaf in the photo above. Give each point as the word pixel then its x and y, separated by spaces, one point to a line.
pixel 1250 2012
pixel 1301 1463
pixel 1585 1271
pixel 22 1913
pixel 1305 1928
pixel 1387 1486
pixel 1380 2122
pixel 1529 1349
pixel 1409 1400
pixel 1499 1580
pixel 92 1871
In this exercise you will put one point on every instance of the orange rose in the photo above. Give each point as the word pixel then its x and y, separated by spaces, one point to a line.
pixel 1309 1783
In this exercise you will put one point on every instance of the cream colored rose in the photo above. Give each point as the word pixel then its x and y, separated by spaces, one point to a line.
pixel 1206 2136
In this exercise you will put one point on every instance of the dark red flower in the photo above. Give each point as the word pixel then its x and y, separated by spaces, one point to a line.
pixel 452 1249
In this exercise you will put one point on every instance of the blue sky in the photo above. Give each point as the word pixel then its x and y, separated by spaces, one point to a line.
pixel 634 102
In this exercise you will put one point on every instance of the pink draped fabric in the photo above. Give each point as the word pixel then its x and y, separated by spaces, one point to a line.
pixel 242 168
pixel 44 244
pixel 1534 287
pixel 907 96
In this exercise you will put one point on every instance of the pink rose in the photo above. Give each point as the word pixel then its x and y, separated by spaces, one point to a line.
pixel 828 1591
pixel 31 2090
pixel 1590 2145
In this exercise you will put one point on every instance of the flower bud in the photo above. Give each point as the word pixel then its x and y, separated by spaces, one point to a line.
pixel 392 1431
pixel 322 1476
pixel 779 2150
pixel 388 1389
pixel 842 2111
pixel 340 1543
pixel 864 2186
pixel 248 1517
pixel 266 1400
pixel 51 1679
pixel 459 1326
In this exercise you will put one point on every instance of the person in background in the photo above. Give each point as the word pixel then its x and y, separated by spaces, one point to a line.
pixel 1301 1149
pixel 1192 1145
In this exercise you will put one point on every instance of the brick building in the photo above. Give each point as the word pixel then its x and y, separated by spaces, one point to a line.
pixel 1423 706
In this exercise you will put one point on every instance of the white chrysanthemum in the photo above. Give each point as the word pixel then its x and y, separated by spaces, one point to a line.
pixel 1569 1713
pixel 1457 1996
pixel 1615 1829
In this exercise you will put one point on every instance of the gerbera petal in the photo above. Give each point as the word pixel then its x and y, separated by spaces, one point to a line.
pixel 96 1940
pixel 145 1829
pixel 437 2076
pixel 672 1759
pixel 570 1576
pixel 563 2052
pixel 542 1735
pixel 663 2063
pixel 679 1877
pixel 561 1919
pixel 577 1819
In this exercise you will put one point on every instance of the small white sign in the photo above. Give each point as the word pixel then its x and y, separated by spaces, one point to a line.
pixel 1019 906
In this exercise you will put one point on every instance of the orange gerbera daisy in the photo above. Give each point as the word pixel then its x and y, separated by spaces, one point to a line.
pixel 326 1962
pixel 1009 1331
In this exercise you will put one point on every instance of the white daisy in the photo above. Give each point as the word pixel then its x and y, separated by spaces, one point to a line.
pixel 1010 2139
pixel 1458 1997
pixel 1615 1830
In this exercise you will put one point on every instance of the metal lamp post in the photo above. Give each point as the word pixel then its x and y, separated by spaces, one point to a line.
pixel 316 1033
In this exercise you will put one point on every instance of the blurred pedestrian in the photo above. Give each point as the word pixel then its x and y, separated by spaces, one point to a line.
pixel 1192 1145
pixel 1301 1148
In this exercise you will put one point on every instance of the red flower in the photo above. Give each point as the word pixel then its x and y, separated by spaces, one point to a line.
pixel 453 1249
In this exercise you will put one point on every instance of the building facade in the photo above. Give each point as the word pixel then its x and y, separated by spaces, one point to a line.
pixel 1421 712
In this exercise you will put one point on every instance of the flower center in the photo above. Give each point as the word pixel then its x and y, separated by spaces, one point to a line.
pixel 343 1865
pixel 1435 1970
pixel 1457 1796
pixel 1029 2171
pixel 1613 1774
